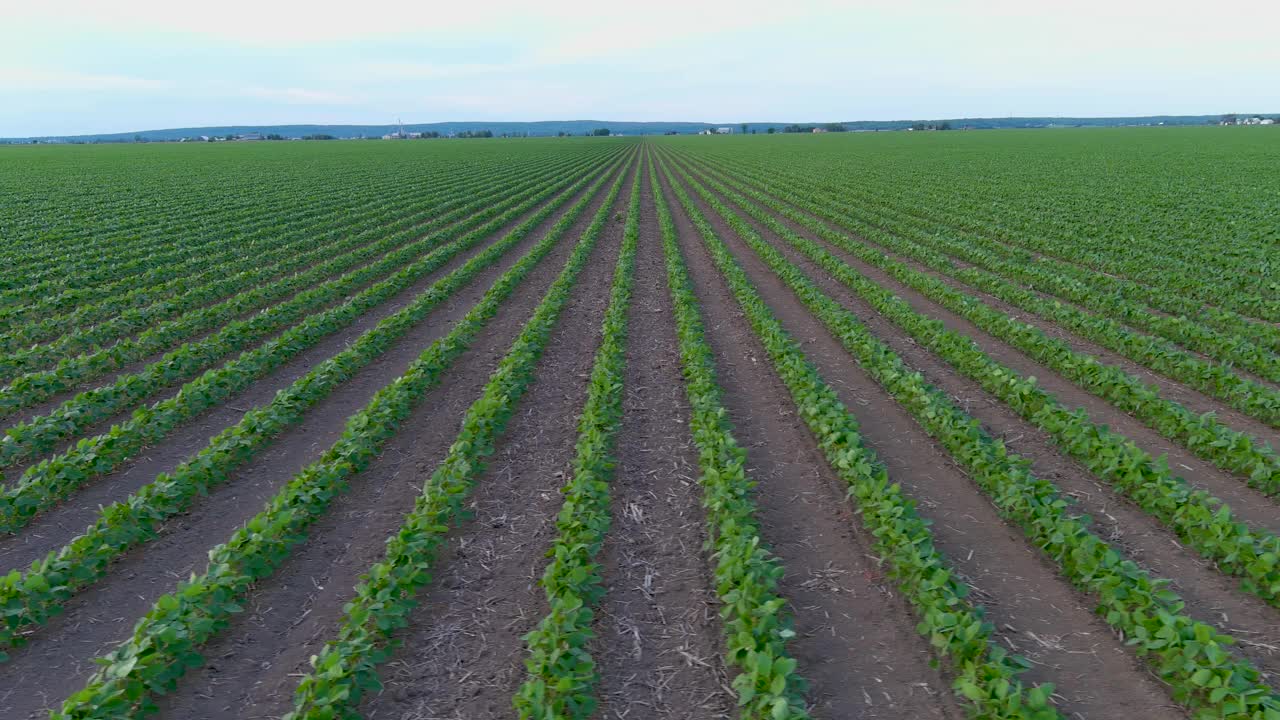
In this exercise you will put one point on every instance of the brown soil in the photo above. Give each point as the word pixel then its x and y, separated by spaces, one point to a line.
pixel 1037 613
pixel 659 649
pixel 58 660
pixel 855 641
pixel 462 655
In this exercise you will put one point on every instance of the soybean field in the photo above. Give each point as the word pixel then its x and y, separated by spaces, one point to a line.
pixel 848 425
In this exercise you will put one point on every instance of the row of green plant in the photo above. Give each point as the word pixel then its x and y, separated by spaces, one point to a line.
pixel 141 227
pixel 52 478
pixel 1130 233
pixel 986 675
pixel 1242 393
pixel 1204 434
pixel 1199 519
pixel 1095 291
pixel 1236 274
pixel 80 277
pixel 40 433
pixel 305 271
pixel 987 223
pixel 1191 657
pixel 1048 276
pixel 1229 281
pixel 1227 348
pixel 80 280
pixel 32 597
pixel 83 301
pixel 133 223
pixel 166 641
pixel 302 246
pixel 346 668
pixel 756 624
pixel 561 671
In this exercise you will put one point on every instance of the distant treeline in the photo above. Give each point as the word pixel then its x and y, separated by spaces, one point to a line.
pixel 562 128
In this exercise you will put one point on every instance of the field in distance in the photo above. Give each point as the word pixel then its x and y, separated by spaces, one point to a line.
pixel 862 425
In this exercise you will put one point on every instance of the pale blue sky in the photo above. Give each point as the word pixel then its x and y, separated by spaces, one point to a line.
pixel 79 66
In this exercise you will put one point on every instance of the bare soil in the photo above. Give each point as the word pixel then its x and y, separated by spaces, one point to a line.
pixel 462 656
pixel 658 631
pixel 855 641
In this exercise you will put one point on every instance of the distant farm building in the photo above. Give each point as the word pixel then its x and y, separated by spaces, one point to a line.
pixel 1254 120
pixel 724 131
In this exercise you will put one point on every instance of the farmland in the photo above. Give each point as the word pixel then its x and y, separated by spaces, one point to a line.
pixel 874 425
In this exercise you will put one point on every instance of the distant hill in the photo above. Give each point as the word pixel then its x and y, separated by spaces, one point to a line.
pixel 542 128
pixel 578 127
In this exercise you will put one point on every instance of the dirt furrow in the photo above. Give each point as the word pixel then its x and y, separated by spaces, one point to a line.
pixel 462 654
pixel 1036 613
pixel 856 643
pixel 291 615
pixel 59 658
pixel 658 648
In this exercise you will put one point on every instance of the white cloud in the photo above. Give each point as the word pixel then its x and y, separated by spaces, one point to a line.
pixel 399 70
pixel 300 96
pixel 20 78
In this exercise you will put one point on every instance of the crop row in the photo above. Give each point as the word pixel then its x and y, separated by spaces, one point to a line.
pixel 44 483
pixel 756 627
pixel 83 277
pixel 561 671
pixel 138 305
pixel 986 674
pixel 1249 396
pixel 201 225
pixel 1091 291
pixel 346 667
pixel 297 249
pixel 947 214
pixel 1204 435
pixel 222 245
pixel 1198 518
pixel 1188 655
pixel 126 222
pixel 1128 233
pixel 369 259
pixel 165 641
pixel 31 598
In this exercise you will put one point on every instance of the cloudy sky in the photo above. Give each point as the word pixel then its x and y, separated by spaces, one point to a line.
pixel 79 66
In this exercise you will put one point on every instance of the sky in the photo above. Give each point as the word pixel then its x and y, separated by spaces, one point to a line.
pixel 87 66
